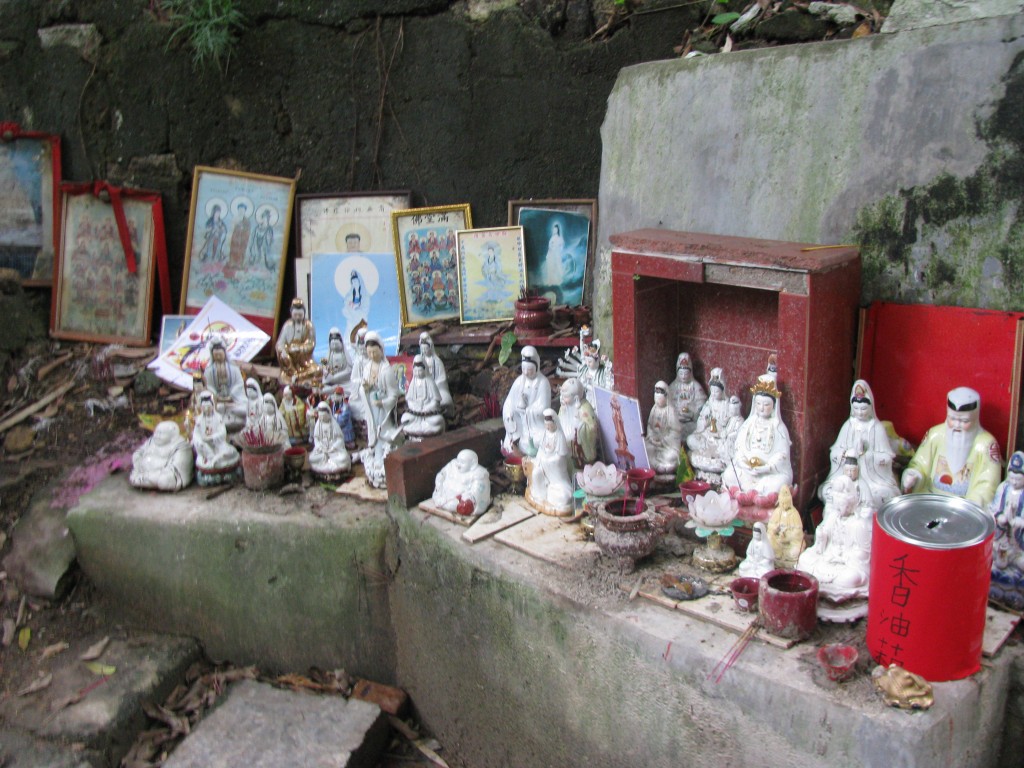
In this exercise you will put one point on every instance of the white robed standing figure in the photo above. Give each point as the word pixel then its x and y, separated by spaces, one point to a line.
pixel 523 409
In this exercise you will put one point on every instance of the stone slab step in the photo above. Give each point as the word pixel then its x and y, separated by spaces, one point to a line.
pixel 104 722
pixel 260 726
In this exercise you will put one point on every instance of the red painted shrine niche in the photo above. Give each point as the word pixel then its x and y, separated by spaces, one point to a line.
pixel 731 302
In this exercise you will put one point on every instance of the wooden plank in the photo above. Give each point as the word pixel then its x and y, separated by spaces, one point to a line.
pixel 718 610
pixel 432 509
pixel 549 539
pixel 999 625
pixel 505 512
pixel 358 487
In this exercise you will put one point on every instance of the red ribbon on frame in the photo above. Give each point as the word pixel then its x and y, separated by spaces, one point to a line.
pixel 115 195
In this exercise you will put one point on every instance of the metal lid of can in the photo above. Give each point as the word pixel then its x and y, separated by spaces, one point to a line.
pixel 935 521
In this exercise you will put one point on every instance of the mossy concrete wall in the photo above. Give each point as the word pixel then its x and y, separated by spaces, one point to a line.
pixel 907 144
pixel 507 668
pixel 255 579
pixel 509 661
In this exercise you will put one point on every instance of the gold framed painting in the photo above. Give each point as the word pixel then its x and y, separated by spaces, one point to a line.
pixel 492 273
pixel 426 254
pixel 237 239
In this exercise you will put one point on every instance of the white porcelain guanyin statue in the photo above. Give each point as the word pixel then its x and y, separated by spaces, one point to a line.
pixel 840 556
pixel 272 424
pixel 709 444
pixel 329 460
pixel 337 371
pixel 423 416
pixel 761 463
pixel 760 557
pixel 210 438
pixel 224 379
pixel 253 403
pixel 548 473
pixel 863 437
pixel 463 486
pixel 435 369
pixel 523 409
pixel 579 423
pixel 359 361
pixel 164 462
pixel 664 436
pixel 686 394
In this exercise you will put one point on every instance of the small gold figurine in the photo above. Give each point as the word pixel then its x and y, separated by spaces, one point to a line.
pixel 901 688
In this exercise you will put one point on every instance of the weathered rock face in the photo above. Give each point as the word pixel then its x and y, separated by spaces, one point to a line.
pixel 480 102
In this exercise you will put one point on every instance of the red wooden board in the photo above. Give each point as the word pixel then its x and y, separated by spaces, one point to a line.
pixel 913 354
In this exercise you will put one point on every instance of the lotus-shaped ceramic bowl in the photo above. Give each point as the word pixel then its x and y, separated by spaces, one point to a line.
pixel 712 510
pixel 599 479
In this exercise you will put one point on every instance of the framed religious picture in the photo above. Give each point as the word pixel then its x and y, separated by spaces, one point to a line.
pixel 426 256
pixel 29 202
pixel 237 239
pixel 492 273
pixel 559 240
pixel 110 251
pixel 622 430
pixel 352 222
pixel 351 291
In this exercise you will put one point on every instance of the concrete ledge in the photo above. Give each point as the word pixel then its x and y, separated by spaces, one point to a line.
pixel 412 468
pixel 507 659
pixel 283 582
pixel 507 667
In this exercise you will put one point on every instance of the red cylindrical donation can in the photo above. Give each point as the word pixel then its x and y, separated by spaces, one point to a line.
pixel 931 561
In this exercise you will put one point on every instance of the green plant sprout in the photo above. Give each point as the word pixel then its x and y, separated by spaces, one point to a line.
pixel 210 28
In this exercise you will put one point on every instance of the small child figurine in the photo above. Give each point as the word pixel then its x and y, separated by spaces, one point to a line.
pixel 343 415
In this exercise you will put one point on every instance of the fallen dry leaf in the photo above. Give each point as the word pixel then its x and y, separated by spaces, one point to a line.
pixel 43 681
pixel 53 650
pixel 95 650
pixel 863 29
pixel 24 638
pixel 9 627
pixel 178 724
pixel 100 669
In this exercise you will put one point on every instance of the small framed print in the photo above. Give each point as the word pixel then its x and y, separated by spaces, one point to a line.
pixel 559 245
pixel 351 222
pixel 29 202
pixel 237 240
pixel 426 255
pixel 492 273
pixel 107 263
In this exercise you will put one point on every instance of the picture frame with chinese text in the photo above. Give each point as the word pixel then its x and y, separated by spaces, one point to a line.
pixel 559 237
pixel 347 222
pixel 426 255
pixel 29 203
pixel 242 263
pixel 97 297
pixel 492 273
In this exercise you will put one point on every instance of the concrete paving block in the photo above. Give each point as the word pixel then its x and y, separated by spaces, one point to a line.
pixel 18 750
pixel 260 726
